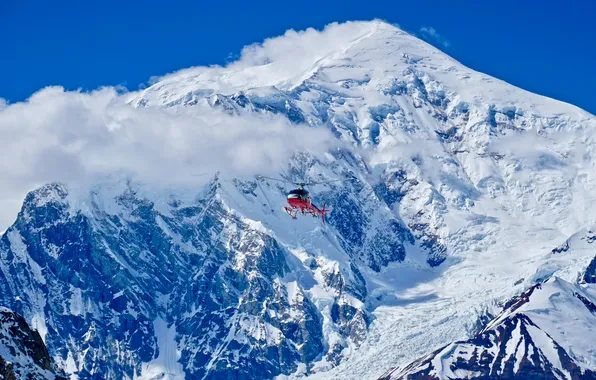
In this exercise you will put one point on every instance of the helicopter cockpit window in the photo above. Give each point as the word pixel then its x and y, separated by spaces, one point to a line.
pixel 301 193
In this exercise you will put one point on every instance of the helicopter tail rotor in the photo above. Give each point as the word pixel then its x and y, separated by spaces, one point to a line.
pixel 324 210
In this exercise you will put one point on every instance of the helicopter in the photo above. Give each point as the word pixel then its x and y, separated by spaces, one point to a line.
pixel 299 200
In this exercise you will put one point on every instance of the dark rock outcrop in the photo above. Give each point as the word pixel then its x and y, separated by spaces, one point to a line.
pixel 23 354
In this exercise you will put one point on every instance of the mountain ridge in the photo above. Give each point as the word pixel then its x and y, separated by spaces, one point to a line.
pixel 519 341
pixel 382 31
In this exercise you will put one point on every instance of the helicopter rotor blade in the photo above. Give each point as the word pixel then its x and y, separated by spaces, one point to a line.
pixel 303 184
pixel 273 179
pixel 329 181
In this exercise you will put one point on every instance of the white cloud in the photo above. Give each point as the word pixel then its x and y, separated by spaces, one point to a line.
pixel 430 34
pixel 74 137
pixel 279 59
pixel 303 47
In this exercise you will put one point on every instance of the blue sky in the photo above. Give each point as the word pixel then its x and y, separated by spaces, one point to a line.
pixel 541 46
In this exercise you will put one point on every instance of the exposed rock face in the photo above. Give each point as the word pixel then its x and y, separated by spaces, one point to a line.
pixel 590 273
pixel 23 355
pixel 118 282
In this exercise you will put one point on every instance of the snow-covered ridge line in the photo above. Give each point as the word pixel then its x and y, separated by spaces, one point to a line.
pixel 370 47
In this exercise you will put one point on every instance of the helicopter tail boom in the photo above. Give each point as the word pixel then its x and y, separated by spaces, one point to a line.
pixel 323 211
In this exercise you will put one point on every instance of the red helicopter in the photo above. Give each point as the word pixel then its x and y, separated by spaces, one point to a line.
pixel 299 200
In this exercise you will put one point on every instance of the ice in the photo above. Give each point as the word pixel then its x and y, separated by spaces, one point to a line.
pixel 20 250
pixel 38 322
pixel 165 366
pixel 77 306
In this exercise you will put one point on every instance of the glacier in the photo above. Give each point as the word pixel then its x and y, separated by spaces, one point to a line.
pixel 467 193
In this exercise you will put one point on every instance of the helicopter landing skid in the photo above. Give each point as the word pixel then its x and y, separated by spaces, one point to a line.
pixel 291 211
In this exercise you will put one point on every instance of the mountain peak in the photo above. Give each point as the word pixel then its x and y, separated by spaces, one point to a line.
pixel 48 193
pixel 371 53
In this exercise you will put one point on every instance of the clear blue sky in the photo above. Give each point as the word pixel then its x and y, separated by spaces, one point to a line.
pixel 548 47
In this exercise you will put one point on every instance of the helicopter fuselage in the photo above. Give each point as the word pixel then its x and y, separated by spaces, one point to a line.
pixel 299 201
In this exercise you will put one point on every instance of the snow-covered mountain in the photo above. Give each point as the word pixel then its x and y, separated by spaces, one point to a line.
pixel 462 185
pixel 523 341
pixel 544 333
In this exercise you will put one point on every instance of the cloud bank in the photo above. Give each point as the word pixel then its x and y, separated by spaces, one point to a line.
pixel 77 137
pixel 303 47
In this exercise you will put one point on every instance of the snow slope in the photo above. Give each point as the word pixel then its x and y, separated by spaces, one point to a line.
pixel 354 50
pixel 165 366
pixel 463 185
